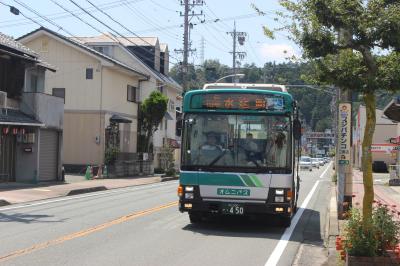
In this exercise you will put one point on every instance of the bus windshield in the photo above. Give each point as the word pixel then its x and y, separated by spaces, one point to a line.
pixel 237 143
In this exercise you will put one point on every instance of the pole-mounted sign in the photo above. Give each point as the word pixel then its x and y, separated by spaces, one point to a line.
pixel 344 133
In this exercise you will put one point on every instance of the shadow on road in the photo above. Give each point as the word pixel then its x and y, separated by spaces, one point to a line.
pixel 28 218
pixel 308 229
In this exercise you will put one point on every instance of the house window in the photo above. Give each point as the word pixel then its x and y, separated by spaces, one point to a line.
pixel 89 73
pixel 59 92
pixel 161 88
pixel 131 94
pixel 103 49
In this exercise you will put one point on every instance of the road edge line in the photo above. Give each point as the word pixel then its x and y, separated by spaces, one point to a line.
pixel 283 241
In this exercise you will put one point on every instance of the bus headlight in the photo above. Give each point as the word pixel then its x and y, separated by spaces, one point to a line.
pixel 189 196
pixel 279 192
pixel 189 189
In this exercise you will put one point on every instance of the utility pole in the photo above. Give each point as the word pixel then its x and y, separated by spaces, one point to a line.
pixel 202 45
pixel 187 15
pixel 237 36
pixel 343 144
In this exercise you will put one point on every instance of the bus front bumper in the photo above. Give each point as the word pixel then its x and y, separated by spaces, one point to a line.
pixel 219 207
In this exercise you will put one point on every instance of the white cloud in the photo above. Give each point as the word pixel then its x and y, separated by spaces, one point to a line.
pixel 277 52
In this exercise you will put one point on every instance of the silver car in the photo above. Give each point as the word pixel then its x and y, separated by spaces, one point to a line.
pixel 315 163
pixel 305 163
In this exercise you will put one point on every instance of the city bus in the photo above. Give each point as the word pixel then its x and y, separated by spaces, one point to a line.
pixel 238 152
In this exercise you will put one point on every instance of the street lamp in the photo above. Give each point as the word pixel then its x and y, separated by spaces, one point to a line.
pixel 232 75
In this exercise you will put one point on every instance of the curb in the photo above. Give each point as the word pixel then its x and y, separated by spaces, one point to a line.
pixel 164 179
pixel 86 190
pixel 333 226
pixel 4 203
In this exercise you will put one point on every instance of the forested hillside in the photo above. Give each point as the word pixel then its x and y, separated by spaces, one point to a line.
pixel 314 104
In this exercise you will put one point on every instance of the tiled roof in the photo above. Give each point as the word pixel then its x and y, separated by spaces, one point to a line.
pixel 16 117
pixel 9 42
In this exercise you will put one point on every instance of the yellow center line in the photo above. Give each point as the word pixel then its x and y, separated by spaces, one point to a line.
pixel 85 232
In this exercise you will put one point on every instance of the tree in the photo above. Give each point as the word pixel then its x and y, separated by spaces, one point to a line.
pixel 341 39
pixel 152 112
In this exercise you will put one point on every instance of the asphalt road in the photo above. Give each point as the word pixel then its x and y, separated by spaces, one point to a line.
pixel 142 226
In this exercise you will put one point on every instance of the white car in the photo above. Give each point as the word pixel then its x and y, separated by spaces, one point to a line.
pixel 305 163
pixel 321 161
pixel 315 163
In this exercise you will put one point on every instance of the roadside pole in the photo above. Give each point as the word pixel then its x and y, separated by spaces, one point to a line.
pixel 343 155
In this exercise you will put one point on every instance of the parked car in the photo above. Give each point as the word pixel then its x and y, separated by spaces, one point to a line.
pixel 305 163
pixel 321 161
pixel 315 163
pixel 327 159
pixel 379 167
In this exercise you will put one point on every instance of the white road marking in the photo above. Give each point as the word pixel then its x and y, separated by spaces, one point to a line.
pixel 280 247
pixel 112 191
pixel 327 168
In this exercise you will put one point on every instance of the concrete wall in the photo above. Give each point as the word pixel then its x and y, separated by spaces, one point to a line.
pixel 79 141
pixel 26 165
pixel 45 108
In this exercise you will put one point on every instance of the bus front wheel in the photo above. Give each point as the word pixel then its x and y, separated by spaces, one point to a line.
pixel 195 217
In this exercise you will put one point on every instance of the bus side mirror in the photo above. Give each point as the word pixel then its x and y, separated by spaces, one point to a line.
pixel 297 129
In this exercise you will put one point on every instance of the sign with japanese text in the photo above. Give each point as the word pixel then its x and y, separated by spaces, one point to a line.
pixel 344 133
pixel 319 135
pixel 238 101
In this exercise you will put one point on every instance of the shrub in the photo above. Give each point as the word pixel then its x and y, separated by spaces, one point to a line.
pixel 170 172
pixel 374 238
pixel 359 241
pixel 159 170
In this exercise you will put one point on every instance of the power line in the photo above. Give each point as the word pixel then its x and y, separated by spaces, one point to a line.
pixel 163 7
pixel 90 25
pixel 76 16
pixel 60 15
pixel 43 17
pixel 104 24
pixel 147 20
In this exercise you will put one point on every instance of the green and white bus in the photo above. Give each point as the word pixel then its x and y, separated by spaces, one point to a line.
pixel 238 148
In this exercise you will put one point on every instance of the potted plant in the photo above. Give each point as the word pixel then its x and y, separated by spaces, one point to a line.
pixel 373 244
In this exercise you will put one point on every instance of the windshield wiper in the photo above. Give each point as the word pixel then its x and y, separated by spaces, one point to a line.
pixel 218 158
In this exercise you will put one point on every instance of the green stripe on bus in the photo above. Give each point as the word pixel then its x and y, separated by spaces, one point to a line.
pixel 212 179
pixel 249 182
pixel 256 180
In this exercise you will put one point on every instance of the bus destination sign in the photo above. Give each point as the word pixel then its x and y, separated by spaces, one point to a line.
pixel 237 101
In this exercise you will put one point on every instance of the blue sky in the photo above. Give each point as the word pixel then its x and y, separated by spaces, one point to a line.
pixel 161 18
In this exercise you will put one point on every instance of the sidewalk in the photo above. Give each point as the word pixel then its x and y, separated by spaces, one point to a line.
pixel 11 193
pixel 389 195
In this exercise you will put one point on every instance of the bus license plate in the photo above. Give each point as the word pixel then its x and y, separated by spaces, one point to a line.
pixel 233 209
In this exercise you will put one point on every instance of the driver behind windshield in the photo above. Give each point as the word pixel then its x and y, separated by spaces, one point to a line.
pixel 211 152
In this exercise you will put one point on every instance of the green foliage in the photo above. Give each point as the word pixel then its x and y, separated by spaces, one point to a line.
pixel 386 228
pixel 359 240
pixel 159 170
pixel 111 155
pixel 167 159
pixel 314 104
pixel 152 111
pixel 381 234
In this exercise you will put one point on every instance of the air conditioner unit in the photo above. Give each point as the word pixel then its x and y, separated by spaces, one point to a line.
pixel 3 100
